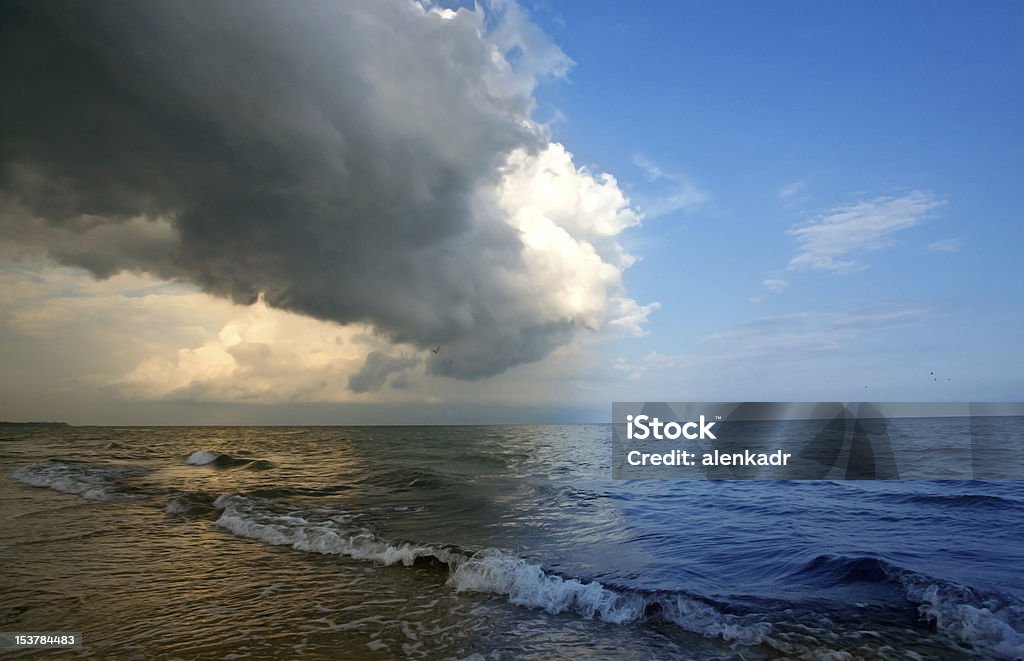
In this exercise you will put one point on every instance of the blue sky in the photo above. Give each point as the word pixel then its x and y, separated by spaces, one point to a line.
pixel 783 112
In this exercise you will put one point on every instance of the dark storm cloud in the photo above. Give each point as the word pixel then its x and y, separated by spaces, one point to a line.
pixel 325 154
pixel 376 370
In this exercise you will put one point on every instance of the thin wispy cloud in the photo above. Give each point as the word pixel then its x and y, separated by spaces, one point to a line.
pixel 837 240
pixel 650 168
pixel 788 336
pixel 676 192
pixel 789 190
pixel 945 245
pixel 635 370
pixel 810 331
pixel 775 284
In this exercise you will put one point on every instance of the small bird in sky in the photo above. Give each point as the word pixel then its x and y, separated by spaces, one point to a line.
pixel 436 349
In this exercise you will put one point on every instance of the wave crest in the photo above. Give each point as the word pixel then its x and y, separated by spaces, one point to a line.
pixel 990 624
pixel 224 460
pixel 334 535
pixel 491 571
pixel 90 481
pixel 526 584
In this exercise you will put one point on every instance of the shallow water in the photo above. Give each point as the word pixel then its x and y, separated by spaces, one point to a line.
pixel 502 542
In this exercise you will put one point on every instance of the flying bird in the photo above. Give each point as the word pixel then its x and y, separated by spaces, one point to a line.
pixel 436 349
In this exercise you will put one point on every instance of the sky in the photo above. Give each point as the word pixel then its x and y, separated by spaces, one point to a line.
pixel 401 213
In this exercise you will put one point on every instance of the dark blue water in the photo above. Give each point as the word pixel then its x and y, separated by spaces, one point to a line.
pixel 449 542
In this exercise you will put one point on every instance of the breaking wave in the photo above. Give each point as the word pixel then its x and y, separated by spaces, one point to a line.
pixel 985 623
pixel 90 481
pixel 318 532
pixel 527 584
pixel 491 571
pixel 224 460
pixel 193 502
pixel 990 625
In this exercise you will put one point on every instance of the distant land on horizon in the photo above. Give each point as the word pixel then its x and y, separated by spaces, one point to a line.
pixel 8 423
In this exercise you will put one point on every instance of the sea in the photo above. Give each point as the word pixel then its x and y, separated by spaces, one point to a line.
pixel 483 542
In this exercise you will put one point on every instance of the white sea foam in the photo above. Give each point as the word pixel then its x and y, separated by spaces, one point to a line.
pixel 253 518
pixel 527 584
pixel 90 481
pixel 989 625
pixel 491 571
pixel 700 617
pixel 176 506
pixel 201 458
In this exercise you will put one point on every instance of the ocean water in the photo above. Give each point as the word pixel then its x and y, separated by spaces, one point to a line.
pixel 484 542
